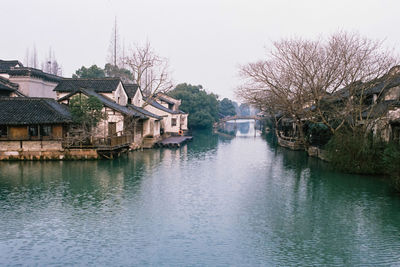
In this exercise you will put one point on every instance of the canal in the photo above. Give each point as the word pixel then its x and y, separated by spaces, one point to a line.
pixel 214 202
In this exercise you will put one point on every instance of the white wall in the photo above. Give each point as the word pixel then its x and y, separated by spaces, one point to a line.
pixel 137 99
pixel 35 87
pixel 102 127
pixel 167 119
pixel 151 123
pixel 120 96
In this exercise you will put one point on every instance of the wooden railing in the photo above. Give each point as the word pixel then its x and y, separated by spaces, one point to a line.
pixel 110 142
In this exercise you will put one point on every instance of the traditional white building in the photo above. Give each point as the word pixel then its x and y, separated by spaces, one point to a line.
pixel 172 120
pixel 121 104
pixel 32 82
pixel 152 126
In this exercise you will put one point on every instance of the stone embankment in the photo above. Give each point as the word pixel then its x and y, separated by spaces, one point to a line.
pixel 42 150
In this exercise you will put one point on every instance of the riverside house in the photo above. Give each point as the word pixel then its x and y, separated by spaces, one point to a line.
pixel 32 128
pixel 130 121
pixel 384 102
pixel 121 122
pixel 380 108
pixel 174 120
pixel 151 126
pixel 165 118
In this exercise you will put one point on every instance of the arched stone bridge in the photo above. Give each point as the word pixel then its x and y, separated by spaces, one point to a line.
pixel 232 118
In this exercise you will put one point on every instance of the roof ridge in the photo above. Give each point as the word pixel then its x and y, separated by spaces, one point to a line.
pixel 89 79
pixel 45 101
pixel 8 82
pixel 94 91
pixel 28 98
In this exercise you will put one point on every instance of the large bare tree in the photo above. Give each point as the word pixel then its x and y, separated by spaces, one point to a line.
pixel 150 71
pixel 322 81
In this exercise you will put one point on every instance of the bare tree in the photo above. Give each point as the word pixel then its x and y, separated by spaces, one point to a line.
pixel 27 58
pixel 31 60
pixel 34 59
pixel 51 65
pixel 322 81
pixel 114 51
pixel 150 71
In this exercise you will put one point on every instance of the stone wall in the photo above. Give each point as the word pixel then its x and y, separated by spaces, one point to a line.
pixel 316 152
pixel 42 150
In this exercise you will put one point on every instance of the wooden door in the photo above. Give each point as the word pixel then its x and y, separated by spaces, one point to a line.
pixel 112 128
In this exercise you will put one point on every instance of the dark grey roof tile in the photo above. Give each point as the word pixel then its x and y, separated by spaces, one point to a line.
pixel 101 85
pixel 131 89
pixel 27 110
pixel 144 112
pixel 106 102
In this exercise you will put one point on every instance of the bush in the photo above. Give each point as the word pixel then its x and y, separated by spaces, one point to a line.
pixel 391 163
pixel 318 134
pixel 355 153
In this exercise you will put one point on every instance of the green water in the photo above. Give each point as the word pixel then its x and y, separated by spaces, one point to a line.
pixel 214 202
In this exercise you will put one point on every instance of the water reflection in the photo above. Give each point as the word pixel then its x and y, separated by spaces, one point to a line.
pixel 215 201
pixel 243 128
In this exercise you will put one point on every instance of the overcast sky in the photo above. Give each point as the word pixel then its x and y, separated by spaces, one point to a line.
pixel 205 40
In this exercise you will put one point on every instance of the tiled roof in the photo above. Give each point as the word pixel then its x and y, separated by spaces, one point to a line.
pixel 8 64
pixel 377 86
pixel 6 85
pixel 144 112
pixel 24 71
pixel 106 102
pixel 131 89
pixel 100 85
pixel 161 107
pixel 380 109
pixel 29 110
pixel 384 84
pixel 162 98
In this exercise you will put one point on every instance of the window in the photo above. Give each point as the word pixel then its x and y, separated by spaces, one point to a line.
pixel 45 130
pixel 33 130
pixel 173 122
pixel 3 131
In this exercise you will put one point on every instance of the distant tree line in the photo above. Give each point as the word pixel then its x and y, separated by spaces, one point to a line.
pixel 108 71
pixel 204 108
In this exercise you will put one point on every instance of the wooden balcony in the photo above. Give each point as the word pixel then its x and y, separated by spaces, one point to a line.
pixel 117 141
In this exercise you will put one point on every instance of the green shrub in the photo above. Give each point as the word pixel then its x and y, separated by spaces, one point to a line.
pixel 355 153
pixel 391 163
pixel 317 134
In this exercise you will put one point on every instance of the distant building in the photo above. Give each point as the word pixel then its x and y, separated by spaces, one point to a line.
pixel 32 82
